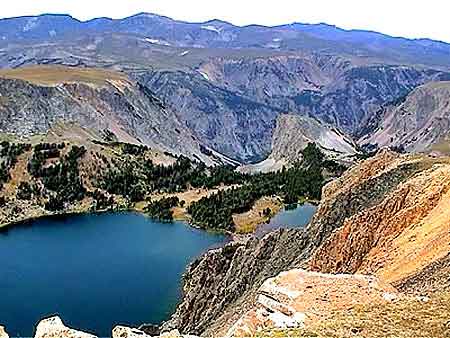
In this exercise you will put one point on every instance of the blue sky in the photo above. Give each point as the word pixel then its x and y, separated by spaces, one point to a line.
pixel 414 19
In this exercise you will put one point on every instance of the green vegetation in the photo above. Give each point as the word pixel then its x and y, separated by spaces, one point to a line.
pixel 161 209
pixel 43 152
pixel 101 201
pixel 57 181
pixel 26 191
pixel 136 178
pixel 62 177
pixel 9 153
pixel 304 179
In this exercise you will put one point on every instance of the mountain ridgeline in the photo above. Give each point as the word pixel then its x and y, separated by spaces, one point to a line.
pixel 205 88
pixel 212 123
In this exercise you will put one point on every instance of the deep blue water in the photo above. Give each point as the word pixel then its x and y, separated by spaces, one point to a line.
pixel 294 218
pixel 95 271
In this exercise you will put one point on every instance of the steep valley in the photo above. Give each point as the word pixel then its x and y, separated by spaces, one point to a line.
pixel 223 127
pixel 35 99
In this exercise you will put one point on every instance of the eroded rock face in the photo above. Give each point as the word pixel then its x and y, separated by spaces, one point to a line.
pixel 121 106
pixel 3 333
pixel 394 239
pixel 418 122
pixel 297 298
pixel 232 104
pixel 222 284
pixel 55 328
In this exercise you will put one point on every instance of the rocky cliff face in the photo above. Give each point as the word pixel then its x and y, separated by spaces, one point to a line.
pixel 403 234
pixel 233 274
pixel 291 136
pixel 232 103
pixel 33 100
pixel 420 122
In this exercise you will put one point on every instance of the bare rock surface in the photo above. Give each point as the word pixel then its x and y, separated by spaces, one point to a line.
pixel 419 122
pixel 55 328
pixel 396 238
pixel 297 298
pixel 234 273
pixel 127 332
pixel 291 136
pixel 3 333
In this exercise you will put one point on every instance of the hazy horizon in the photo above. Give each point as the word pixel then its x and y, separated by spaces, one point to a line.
pixel 415 21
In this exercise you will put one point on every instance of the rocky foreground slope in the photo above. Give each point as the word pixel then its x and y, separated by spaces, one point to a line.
pixel 374 262
pixel 363 213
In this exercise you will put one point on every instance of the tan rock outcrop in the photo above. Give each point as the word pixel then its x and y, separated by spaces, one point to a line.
pixel 3 333
pixel 403 234
pixel 55 328
pixel 297 298
pixel 127 332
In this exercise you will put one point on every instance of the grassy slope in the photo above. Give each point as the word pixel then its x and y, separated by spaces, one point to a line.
pixel 53 75
pixel 404 318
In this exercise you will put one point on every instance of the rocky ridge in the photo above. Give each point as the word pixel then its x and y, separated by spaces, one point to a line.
pixel 34 100
pixel 418 123
pixel 398 237
pixel 235 272
pixel 291 136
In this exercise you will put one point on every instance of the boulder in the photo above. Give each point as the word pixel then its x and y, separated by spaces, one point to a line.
pixel 3 333
pixel 127 332
pixel 54 328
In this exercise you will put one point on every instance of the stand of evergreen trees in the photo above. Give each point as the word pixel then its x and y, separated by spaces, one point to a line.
pixel 136 178
pixel 9 152
pixel 303 180
pixel 161 209
pixel 62 178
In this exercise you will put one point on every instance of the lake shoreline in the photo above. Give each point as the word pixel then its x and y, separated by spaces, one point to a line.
pixel 86 210
pixel 120 253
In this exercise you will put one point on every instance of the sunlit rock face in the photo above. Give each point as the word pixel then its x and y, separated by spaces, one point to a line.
pixel 55 328
pixel 296 298
pixel 127 332
pixel 3 333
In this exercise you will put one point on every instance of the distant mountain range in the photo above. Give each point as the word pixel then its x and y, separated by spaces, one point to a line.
pixel 219 34
pixel 227 85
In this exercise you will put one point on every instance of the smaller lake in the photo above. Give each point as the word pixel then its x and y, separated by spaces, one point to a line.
pixel 95 271
pixel 289 218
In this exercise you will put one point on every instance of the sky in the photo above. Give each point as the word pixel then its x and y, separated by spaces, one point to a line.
pixel 413 18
